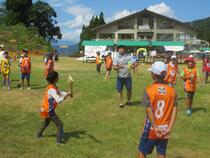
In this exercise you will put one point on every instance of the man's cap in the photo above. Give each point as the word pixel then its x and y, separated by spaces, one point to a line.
pixel 158 67
pixel 191 56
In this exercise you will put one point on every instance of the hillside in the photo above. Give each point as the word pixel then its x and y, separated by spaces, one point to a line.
pixel 17 37
pixel 203 27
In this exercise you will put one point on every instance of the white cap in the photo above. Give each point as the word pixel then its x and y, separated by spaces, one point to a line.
pixel 191 56
pixel 158 67
pixel 173 57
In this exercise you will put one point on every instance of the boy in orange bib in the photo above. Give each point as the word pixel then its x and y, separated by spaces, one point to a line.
pixel 161 108
pixel 190 75
pixel 50 102
pixel 172 70
pixel 108 64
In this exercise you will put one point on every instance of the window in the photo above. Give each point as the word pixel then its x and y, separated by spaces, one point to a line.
pixel 126 36
pixel 165 37
pixel 106 36
pixel 164 24
pixel 125 25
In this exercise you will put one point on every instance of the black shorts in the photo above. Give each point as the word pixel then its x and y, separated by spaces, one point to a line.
pixel 190 95
pixel 98 67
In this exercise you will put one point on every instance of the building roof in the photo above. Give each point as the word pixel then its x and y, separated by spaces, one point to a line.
pixel 143 12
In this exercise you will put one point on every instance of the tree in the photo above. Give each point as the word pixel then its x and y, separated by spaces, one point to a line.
pixel 42 15
pixel 18 11
pixel 87 31
pixel 101 19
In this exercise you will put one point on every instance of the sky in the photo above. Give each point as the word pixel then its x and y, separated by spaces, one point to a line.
pixel 72 14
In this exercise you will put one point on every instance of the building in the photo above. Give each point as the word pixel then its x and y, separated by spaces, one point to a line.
pixel 146 25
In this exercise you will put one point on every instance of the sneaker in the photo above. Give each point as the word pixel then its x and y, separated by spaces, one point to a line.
pixel 59 144
pixel 21 88
pixel 8 88
pixel 189 112
pixel 29 88
pixel 4 87
pixel 128 103
pixel 122 105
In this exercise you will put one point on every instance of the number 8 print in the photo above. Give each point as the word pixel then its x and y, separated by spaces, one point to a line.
pixel 160 107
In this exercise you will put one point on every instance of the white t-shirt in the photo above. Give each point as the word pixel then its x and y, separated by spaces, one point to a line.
pixel 58 98
pixel 1 55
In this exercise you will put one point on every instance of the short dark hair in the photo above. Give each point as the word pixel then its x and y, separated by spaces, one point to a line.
pixel 52 77
pixel 121 46
pixel 25 50
pixel 6 53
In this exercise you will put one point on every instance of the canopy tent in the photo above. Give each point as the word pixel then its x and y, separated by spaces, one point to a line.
pixel 175 46
pixel 205 49
pixel 132 43
pixel 98 43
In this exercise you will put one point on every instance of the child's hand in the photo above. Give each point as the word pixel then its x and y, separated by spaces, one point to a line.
pixel 166 133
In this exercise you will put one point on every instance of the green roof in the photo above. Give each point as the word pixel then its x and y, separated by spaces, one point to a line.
pixel 132 43
pixel 167 43
pixel 98 43
pixel 204 49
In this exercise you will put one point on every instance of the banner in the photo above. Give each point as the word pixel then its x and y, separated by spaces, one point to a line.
pixel 90 51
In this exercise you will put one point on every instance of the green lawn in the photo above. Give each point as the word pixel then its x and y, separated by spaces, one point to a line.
pixel 95 127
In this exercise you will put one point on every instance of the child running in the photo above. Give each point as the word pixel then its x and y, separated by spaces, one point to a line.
pixel 98 63
pixel 5 70
pixel 108 64
pixel 49 64
pixel 172 70
pixel 206 68
pixel 161 108
pixel 51 99
pixel 25 66
pixel 189 75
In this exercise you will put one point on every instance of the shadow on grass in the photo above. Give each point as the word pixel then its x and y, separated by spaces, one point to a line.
pixel 194 110
pixel 76 134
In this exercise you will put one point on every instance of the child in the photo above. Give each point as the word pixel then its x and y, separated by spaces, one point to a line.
pixel 161 109
pixel 206 68
pixel 5 70
pixel 25 66
pixel 108 64
pixel 49 64
pixel 172 70
pixel 51 99
pixel 190 75
pixel 135 58
pixel 98 63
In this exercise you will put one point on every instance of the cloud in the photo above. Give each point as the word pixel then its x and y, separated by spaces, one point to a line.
pixel 72 35
pixel 163 9
pixel 120 14
pixel 81 14
pixel 59 3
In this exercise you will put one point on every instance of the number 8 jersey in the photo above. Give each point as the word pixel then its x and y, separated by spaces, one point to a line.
pixel 161 98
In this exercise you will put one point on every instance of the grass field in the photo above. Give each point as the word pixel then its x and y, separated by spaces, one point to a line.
pixel 95 127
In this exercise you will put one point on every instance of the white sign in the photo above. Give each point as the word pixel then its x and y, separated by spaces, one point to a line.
pixel 174 48
pixel 153 53
pixel 144 27
pixel 90 51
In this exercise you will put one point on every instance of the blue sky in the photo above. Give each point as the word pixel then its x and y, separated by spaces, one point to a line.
pixel 72 14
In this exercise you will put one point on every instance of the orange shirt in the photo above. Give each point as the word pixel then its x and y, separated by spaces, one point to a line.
pixel 190 84
pixel 171 73
pixel 26 65
pixel 44 112
pixel 161 99
pixel 108 62
pixel 49 67
pixel 98 59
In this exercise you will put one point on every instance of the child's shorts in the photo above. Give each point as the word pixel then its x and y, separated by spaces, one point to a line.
pixel 23 76
pixel 190 95
pixel 146 146
pixel 98 67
